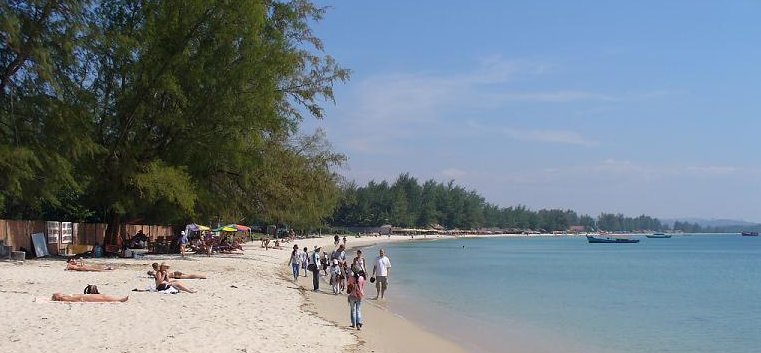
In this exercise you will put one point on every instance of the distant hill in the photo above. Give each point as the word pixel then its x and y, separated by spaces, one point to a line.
pixel 712 222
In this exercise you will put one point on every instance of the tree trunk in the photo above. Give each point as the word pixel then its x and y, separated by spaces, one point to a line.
pixel 113 229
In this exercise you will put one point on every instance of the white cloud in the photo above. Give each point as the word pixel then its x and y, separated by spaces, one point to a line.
pixel 381 110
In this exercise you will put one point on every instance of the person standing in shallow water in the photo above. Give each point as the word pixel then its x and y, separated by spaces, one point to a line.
pixel 381 271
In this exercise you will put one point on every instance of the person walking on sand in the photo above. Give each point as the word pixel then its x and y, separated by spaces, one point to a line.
pixel 183 243
pixel 358 262
pixel 381 270
pixel 325 262
pixel 335 240
pixel 356 291
pixel 314 266
pixel 339 254
pixel 304 260
pixel 335 273
pixel 295 262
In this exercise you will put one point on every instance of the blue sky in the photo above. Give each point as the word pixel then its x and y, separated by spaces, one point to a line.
pixel 635 107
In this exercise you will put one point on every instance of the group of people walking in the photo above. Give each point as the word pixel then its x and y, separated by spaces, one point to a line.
pixel 344 276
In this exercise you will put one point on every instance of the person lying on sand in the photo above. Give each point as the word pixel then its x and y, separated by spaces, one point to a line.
pixel 72 265
pixel 87 298
pixel 163 282
pixel 175 274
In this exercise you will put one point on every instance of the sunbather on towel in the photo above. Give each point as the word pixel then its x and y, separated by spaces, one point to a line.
pixel 72 265
pixel 87 298
pixel 163 282
pixel 175 274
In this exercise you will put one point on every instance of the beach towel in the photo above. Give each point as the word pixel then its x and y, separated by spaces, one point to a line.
pixel 170 290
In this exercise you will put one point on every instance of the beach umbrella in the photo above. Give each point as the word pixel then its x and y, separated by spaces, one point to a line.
pixel 240 227
pixel 193 227
pixel 226 228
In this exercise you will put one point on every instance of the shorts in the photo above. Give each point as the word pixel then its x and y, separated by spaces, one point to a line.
pixel 381 282
pixel 162 286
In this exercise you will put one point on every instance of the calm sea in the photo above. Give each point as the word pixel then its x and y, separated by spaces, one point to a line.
pixel 690 293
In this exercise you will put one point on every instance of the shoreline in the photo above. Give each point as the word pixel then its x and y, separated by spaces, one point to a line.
pixel 383 331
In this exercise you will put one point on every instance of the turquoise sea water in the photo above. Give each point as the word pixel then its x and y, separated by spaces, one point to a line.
pixel 699 293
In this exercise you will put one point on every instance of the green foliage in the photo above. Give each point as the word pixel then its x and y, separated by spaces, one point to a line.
pixel 164 110
pixel 161 182
pixel 405 203
pixel 618 222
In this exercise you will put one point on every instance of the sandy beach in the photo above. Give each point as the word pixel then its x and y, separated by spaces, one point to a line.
pixel 249 303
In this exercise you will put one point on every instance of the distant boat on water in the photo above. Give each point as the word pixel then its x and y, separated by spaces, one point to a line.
pixel 750 234
pixel 658 236
pixel 592 239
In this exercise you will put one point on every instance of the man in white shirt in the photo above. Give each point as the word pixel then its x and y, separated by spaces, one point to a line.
pixel 314 259
pixel 381 270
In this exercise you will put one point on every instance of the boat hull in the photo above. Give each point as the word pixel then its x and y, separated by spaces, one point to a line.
pixel 750 234
pixel 658 236
pixel 608 240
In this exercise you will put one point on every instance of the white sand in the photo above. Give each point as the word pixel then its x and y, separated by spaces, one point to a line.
pixel 263 314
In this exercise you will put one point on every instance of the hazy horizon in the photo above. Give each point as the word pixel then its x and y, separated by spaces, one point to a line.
pixel 634 108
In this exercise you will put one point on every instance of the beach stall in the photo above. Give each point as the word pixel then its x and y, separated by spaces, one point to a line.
pixel 239 232
pixel 198 237
pixel 229 237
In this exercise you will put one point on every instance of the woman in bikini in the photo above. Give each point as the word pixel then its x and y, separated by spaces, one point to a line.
pixel 87 298
pixel 72 265
pixel 163 281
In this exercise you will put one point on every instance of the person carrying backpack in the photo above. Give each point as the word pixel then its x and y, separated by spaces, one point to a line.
pixel 314 266
pixel 356 291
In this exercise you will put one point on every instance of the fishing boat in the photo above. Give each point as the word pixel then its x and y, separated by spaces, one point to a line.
pixel 749 234
pixel 658 235
pixel 592 239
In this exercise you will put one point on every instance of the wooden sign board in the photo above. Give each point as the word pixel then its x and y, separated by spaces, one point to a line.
pixel 40 246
